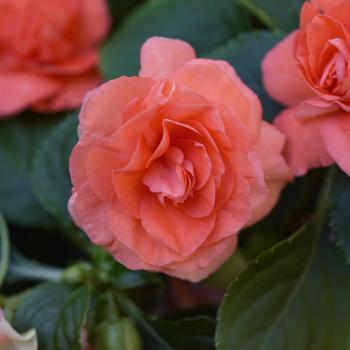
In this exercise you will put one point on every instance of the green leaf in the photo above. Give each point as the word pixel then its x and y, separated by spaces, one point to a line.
pixel 18 139
pixel 57 312
pixel 120 8
pixel 121 334
pixel 294 296
pixel 276 14
pixel 40 309
pixel 134 279
pixel 340 209
pixel 4 250
pixel 157 341
pixel 50 173
pixel 71 319
pixel 245 54
pixel 296 204
pixel 203 23
pixel 188 333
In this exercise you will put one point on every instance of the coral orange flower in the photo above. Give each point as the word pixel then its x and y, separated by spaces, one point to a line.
pixel 171 164
pixel 48 53
pixel 309 71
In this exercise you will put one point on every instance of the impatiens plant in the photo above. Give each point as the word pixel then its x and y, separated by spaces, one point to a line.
pixel 174 174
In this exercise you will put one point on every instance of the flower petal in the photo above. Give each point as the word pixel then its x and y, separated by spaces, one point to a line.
pixel 326 5
pixel 305 148
pixel 335 132
pixel 10 339
pixel 281 76
pixel 103 108
pixel 100 164
pixel 19 90
pixel 203 201
pixel 95 21
pixel 204 261
pixel 201 75
pixel 91 215
pixel 89 212
pixel 314 107
pixel 172 227
pixel 234 214
pixel 71 94
pixel 76 65
pixel 308 11
pixel 130 232
pixel 275 169
pixel 162 57
pixel 339 10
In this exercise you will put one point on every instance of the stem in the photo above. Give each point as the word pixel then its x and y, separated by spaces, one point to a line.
pixel 5 249
pixel 76 238
pixel 35 272
pixel 323 202
pixel 133 311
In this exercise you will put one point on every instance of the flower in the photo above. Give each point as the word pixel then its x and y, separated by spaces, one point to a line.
pixel 48 53
pixel 170 165
pixel 10 339
pixel 309 71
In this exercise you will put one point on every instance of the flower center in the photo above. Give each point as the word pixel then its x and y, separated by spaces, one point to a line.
pixel 171 176
pixel 335 73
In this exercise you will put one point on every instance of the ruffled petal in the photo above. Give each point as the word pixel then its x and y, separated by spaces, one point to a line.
pixel 201 75
pixel 89 213
pixel 203 201
pixel 100 164
pixel 170 226
pixel 92 216
pixel 275 169
pixel 103 108
pixel 131 234
pixel 234 214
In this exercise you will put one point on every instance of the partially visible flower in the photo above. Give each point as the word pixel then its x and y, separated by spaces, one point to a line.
pixel 48 53
pixel 84 339
pixel 172 164
pixel 11 340
pixel 309 71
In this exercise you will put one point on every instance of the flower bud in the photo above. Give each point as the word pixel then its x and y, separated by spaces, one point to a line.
pixel 77 273
pixel 117 335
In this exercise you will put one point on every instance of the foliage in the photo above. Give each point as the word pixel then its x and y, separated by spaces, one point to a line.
pixel 287 286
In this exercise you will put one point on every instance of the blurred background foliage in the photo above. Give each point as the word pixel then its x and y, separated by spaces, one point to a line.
pixel 289 281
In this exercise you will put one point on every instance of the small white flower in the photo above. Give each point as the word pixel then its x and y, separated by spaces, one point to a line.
pixel 11 340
